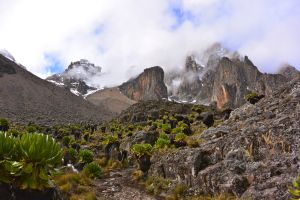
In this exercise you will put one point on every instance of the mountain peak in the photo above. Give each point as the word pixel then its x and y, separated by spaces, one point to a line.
pixel 79 77
pixel 149 85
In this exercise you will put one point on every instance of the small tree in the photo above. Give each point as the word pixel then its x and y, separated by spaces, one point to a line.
pixel 4 125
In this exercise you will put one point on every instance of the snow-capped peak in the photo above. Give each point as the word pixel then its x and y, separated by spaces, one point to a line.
pixel 81 78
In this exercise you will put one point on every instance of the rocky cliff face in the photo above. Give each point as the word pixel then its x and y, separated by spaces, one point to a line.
pixel 147 86
pixel 289 71
pixel 233 79
pixel 224 78
pixel 78 77
pixel 255 153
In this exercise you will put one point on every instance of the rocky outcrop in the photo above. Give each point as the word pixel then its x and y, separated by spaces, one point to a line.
pixel 78 77
pixel 149 85
pixel 225 79
pixel 255 153
pixel 289 71
pixel 233 79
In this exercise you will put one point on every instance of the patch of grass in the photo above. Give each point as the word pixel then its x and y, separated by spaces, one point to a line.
pixel 156 184
pixel 93 170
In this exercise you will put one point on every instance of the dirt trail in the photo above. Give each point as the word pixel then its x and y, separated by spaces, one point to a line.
pixel 119 186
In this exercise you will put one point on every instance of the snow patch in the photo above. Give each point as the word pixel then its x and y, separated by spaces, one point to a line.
pixel 56 83
pixel 74 91
pixel 89 92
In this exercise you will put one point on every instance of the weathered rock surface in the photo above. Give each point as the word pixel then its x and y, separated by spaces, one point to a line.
pixel 149 85
pixel 255 153
pixel 289 71
pixel 223 78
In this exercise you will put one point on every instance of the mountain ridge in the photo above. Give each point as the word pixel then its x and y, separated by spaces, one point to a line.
pixel 25 97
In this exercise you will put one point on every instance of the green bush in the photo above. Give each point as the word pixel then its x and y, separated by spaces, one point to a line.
pixel 4 125
pixel 162 142
pixel 29 161
pixel 141 149
pixel 66 140
pixel 198 108
pixel 251 95
pixel 31 129
pixel 39 154
pixel 73 155
pixel 181 126
pixel 295 190
pixel 163 136
pixel 93 170
pixel 86 156
pixel 180 137
pixel 109 139
pixel 166 128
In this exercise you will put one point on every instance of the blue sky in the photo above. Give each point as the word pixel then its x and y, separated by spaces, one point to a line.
pixel 126 36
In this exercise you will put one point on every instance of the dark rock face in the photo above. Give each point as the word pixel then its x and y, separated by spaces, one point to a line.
pixel 147 86
pixel 255 153
pixel 76 76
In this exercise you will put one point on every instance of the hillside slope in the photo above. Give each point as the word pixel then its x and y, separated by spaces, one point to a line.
pixel 24 98
pixel 111 98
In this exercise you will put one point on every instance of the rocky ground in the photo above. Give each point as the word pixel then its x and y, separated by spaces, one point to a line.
pixel 118 185
pixel 255 153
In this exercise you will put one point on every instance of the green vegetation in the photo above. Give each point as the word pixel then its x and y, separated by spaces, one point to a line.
pixel 180 137
pixel 109 139
pixel 155 185
pixel 86 156
pixel 29 161
pixel 93 170
pixel 251 95
pixel 73 155
pixel 198 108
pixel 295 190
pixel 4 125
pixel 162 143
pixel 66 141
pixel 142 149
pixel 75 186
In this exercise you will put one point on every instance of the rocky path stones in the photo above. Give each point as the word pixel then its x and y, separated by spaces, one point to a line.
pixel 119 186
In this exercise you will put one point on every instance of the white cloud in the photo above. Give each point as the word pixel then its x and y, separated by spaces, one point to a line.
pixel 125 36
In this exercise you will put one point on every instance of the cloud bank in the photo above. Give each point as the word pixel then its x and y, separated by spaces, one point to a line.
pixel 126 36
